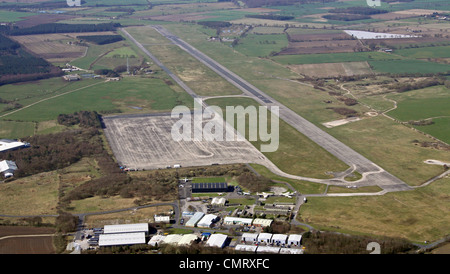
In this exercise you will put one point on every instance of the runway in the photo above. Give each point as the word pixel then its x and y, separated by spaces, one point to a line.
pixel 372 173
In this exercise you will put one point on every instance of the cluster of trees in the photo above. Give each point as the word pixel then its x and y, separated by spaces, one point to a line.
pixel 253 182
pixel 101 39
pixel 346 17
pixel 61 28
pixel 16 64
pixel 402 87
pixel 268 3
pixel 83 118
pixel 107 72
pixel 359 10
pixel 344 111
pixel 334 243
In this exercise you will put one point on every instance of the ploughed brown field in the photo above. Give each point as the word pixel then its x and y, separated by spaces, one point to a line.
pixel 26 240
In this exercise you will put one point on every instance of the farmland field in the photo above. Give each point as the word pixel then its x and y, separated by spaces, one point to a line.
pixel 26 245
pixel 408 66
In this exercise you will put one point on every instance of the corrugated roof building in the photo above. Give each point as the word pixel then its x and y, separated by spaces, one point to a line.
pixel 121 239
pixel 195 219
pixel 217 240
pixel 126 228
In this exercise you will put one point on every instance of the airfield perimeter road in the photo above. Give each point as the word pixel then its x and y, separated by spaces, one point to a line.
pixel 372 174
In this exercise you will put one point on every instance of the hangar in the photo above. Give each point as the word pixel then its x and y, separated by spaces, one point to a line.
pixel 126 228
pixel 209 187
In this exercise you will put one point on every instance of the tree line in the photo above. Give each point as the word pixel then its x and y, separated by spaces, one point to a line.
pixel 101 39
pixel 61 28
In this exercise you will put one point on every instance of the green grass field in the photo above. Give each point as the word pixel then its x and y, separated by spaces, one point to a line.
pixel 424 53
pixel 432 102
pixel 333 58
pixel 408 66
pixel 261 45
pixel 126 95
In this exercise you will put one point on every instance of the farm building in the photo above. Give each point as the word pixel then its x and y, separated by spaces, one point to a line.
pixel 279 239
pixel 264 237
pixel 209 187
pixel 249 237
pixel 237 221
pixel 126 228
pixel 294 239
pixel 121 239
pixel 246 248
pixel 71 77
pixel 217 240
pixel 156 240
pixel 207 221
pixel 7 168
pixel 7 144
pixel 262 222
pixel 195 219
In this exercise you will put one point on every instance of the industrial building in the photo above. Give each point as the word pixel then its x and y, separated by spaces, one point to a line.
pixel 126 228
pixel 237 221
pixel 209 187
pixel 195 219
pixel 249 237
pixel 218 201
pixel 207 221
pixel 246 248
pixel 217 240
pixel 121 239
pixel 294 239
pixel 279 239
pixel 156 240
pixel 264 237
pixel 262 222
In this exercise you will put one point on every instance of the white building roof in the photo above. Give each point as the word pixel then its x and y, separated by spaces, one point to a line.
pixel 295 238
pixel 195 219
pixel 249 236
pixel 121 239
pixel 126 228
pixel 207 220
pixel 264 236
pixel 161 218
pixel 6 165
pixel 173 239
pixel 218 201
pixel 6 144
pixel 262 222
pixel 284 250
pixel 267 249
pixel 238 220
pixel 279 238
pixel 249 248
pixel 156 240
pixel 187 239
pixel 217 240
